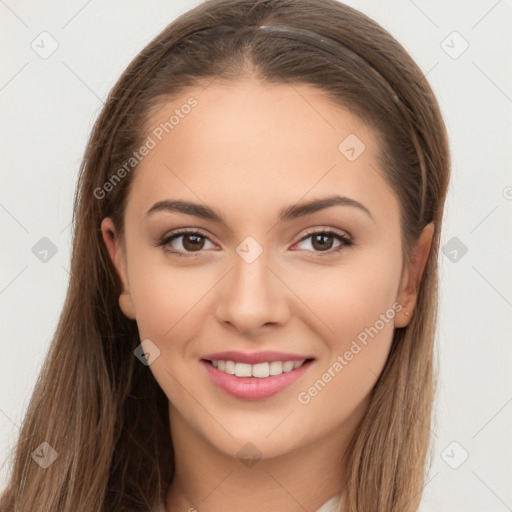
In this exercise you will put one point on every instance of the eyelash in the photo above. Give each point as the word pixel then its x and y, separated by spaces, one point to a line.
pixel 345 241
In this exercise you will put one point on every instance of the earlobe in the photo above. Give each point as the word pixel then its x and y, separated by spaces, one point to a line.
pixel 116 255
pixel 411 277
pixel 126 305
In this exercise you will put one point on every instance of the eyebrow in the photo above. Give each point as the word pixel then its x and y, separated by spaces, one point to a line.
pixel 288 213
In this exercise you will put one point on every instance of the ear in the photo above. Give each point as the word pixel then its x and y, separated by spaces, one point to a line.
pixel 118 258
pixel 411 276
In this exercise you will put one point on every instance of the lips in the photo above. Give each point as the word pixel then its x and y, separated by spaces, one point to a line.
pixel 255 387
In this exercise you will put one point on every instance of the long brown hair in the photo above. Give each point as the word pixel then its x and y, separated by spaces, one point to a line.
pixel 94 403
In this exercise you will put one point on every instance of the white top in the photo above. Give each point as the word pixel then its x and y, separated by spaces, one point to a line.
pixel 331 505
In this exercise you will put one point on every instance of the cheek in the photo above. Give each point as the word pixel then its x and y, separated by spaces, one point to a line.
pixel 351 297
pixel 358 307
pixel 356 303
pixel 168 297
pixel 170 308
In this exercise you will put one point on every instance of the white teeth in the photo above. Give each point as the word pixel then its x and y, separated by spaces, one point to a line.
pixel 230 367
pixel 260 370
pixel 242 369
pixel 288 366
pixel 276 368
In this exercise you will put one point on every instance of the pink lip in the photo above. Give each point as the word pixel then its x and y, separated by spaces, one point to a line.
pixel 254 358
pixel 254 388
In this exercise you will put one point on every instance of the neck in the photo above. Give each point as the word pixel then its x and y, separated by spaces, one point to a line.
pixel 208 480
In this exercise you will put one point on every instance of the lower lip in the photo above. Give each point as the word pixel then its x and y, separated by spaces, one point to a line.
pixel 254 388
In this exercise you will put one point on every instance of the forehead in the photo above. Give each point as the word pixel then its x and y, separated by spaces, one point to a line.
pixel 251 141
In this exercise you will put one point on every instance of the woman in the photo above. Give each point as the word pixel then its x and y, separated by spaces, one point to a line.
pixel 250 318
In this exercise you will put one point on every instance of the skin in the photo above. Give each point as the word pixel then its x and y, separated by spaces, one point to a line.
pixel 247 150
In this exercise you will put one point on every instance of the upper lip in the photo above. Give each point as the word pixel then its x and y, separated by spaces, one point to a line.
pixel 254 357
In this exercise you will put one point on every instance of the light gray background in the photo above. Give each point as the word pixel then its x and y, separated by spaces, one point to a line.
pixel 47 110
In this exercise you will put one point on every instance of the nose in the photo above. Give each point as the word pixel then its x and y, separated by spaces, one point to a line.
pixel 252 296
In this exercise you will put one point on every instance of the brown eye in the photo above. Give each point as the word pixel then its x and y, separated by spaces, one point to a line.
pixel 324 241
pixel 193 242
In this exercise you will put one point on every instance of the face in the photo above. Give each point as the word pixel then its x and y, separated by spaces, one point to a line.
pixel 251 269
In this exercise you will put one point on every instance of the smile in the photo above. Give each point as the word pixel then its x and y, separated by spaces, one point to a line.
pixel 255 381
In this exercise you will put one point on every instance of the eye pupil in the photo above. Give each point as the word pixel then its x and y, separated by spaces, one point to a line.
pixel 196 245
pixel 322 245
